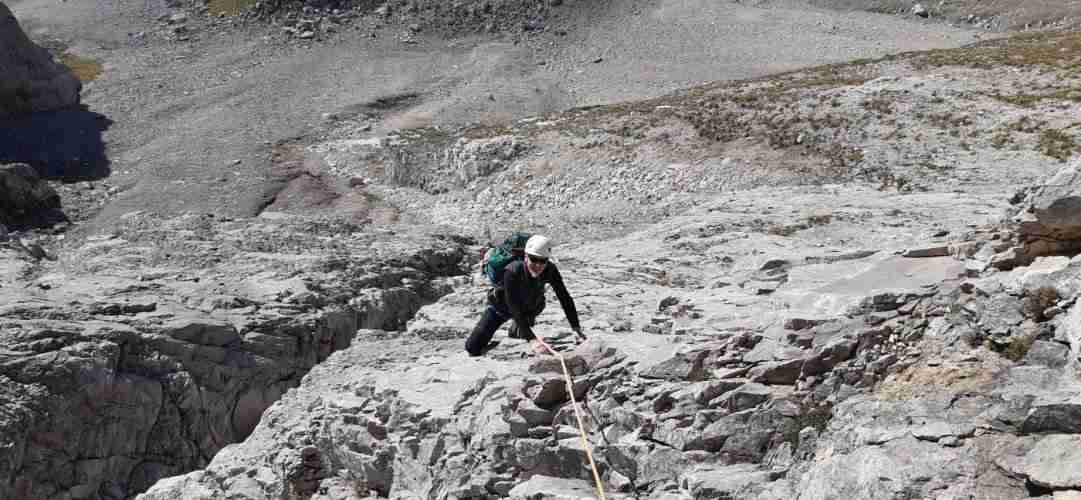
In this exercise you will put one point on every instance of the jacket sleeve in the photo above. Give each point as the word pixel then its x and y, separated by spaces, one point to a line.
pixel 516 299
pixel 564 297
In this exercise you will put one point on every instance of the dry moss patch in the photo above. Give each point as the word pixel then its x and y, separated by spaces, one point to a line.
pixel 229 7
pixel 84 68
pixel 1058 50
pixel 1058 144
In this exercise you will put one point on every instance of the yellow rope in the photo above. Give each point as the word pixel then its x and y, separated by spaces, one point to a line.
pixel 578 415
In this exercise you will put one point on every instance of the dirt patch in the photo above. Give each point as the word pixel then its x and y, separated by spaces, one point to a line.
pixel 976 374
pixel 229 7
pixel 84 68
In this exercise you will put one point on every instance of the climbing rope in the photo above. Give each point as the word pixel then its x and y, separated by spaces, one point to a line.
pixel 578 415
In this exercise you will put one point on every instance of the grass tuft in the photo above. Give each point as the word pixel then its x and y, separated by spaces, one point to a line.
pixel 1058 144
pixel 1018 347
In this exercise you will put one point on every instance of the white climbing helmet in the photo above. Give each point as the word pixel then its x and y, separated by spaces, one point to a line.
pixel 539 246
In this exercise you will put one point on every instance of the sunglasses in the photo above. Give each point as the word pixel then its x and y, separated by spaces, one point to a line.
pixel 533 259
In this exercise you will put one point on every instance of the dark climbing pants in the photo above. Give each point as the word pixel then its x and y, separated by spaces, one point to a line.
pixel 489 323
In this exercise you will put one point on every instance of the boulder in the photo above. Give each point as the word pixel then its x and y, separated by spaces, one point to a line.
pixel 1055 412
pixel 24 197
pixel 1055 209
pixel 30 79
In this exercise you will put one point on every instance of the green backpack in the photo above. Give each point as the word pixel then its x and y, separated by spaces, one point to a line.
pixel 498 258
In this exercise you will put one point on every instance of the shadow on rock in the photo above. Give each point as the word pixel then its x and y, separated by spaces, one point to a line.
pixel 63 145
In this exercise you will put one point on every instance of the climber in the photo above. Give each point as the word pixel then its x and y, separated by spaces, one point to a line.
pixel 519 296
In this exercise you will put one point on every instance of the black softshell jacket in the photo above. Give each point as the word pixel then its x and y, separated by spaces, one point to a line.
pixel 522 295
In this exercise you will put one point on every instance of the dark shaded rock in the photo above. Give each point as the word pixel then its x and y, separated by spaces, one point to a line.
pixel 824 358
pixel 26 199
pixel 780 372
pixel 744 397
pixel 30 79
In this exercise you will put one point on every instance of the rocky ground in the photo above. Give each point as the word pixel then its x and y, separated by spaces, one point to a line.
pixel 846 281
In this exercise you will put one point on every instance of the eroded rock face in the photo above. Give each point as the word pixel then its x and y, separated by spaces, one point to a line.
pixel 30 80
pixel 120 367
pixel 887 392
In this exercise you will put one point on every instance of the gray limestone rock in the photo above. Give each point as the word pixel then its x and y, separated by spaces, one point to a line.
pixel 114 375
pixel 1049 354
pixel 703 408
pixel 733 481
pixel 542 487
pixel 903 464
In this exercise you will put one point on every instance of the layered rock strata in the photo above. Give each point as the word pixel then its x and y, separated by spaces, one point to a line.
pixel 142 353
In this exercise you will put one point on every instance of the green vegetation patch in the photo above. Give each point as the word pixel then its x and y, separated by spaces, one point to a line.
pixel 229 7
pixel 84 68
